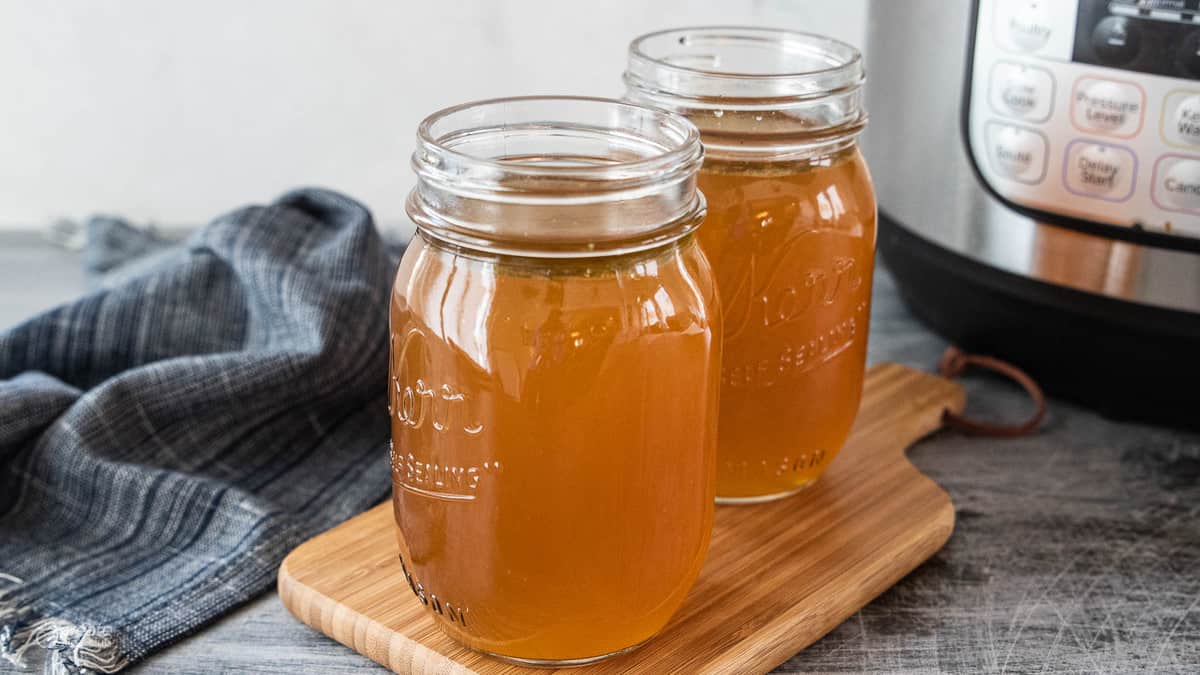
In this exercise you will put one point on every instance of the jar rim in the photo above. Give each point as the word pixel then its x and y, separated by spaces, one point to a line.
pixel 688 144
pixel 556 175
pixel 691 62
pixel 777 36
pixel 757 94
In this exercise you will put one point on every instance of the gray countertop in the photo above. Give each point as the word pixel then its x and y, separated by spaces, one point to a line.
pixel 1077 550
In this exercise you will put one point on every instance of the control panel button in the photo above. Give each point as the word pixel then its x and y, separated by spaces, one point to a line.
pixel 1107 107
pixel 1022 91
pixel 1100 170
pixel 1177 183
pixel 1025 24
pixel 1181 118
pixel 1016 152
pixel 1187 119
pixel 1116 40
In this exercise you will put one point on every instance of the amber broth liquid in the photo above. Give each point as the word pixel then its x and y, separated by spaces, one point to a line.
pixel 554 443
pixel 792 246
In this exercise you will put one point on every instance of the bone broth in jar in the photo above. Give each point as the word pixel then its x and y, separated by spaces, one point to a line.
pixel 555 346
pixel 790 234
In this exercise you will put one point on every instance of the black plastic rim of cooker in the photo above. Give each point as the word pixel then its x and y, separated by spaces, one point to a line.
pixel 1125 360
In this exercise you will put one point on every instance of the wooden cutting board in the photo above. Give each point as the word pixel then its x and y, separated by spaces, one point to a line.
pixel 778 575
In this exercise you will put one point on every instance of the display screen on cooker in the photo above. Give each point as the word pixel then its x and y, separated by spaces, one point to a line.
pixel 1090 110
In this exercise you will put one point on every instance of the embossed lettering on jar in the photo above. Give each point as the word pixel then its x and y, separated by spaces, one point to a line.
pixel 554 377
pixel 790 234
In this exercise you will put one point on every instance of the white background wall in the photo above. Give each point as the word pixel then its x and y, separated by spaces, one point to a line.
pixel 171 112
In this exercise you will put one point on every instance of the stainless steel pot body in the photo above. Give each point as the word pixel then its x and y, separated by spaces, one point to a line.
pixel 918 57
pixel 1044 217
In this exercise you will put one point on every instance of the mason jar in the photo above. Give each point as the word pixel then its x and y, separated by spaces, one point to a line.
pixel 790 234
pixel 554 374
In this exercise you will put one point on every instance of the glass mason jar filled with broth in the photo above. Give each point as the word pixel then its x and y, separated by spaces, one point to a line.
pixel 790 234
pixel 554 374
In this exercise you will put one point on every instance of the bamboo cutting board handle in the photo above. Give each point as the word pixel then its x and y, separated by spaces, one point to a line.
pixel 778 576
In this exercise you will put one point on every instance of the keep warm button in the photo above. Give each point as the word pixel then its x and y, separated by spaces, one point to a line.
pixel 1100 170
pixel 1181 118
pixel 1177 183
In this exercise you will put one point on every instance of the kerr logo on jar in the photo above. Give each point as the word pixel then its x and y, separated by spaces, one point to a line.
pixel 417 401
pixel 769 292
pixel 794 297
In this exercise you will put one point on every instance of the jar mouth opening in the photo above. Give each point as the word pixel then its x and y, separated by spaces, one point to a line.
pixel 559 176
pixel 557 137
pixel 735 62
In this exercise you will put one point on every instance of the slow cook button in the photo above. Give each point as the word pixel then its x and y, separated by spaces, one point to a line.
pixel 1016 152
pixel 1022 91
pixel 1177 184
pixel 1107 107
pixel 1100 170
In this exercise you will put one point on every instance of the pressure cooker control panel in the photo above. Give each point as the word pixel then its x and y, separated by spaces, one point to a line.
pixel 1090 109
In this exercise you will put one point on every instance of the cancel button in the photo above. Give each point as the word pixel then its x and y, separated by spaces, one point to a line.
pixel 1177 183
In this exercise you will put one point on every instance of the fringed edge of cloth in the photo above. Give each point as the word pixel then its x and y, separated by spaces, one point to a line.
pixel 67 648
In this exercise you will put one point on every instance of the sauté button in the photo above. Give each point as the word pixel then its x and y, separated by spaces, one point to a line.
pixel 1177 183
pixel 1022 91
pixel 1100 170
pixel 1108 107
pixel 1016 152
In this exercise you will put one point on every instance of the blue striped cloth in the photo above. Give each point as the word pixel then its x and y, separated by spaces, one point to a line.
pixel 166 441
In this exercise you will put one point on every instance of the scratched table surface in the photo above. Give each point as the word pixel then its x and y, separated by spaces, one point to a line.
pixel 1075 551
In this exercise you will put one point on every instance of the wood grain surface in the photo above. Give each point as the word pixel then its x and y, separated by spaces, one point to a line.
pixel 778 576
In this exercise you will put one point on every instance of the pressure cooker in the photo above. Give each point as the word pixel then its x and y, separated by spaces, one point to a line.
pixel 1037 165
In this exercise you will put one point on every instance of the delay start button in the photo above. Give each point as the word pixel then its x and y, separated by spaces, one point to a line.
pixel 1177 183
pixel 1016 152
pixel 1107 107
pixel 1100 170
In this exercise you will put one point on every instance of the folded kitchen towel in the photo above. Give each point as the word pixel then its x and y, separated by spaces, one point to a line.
pixel 164 442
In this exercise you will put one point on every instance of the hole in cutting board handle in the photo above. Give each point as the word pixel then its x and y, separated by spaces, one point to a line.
pixel 954 362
